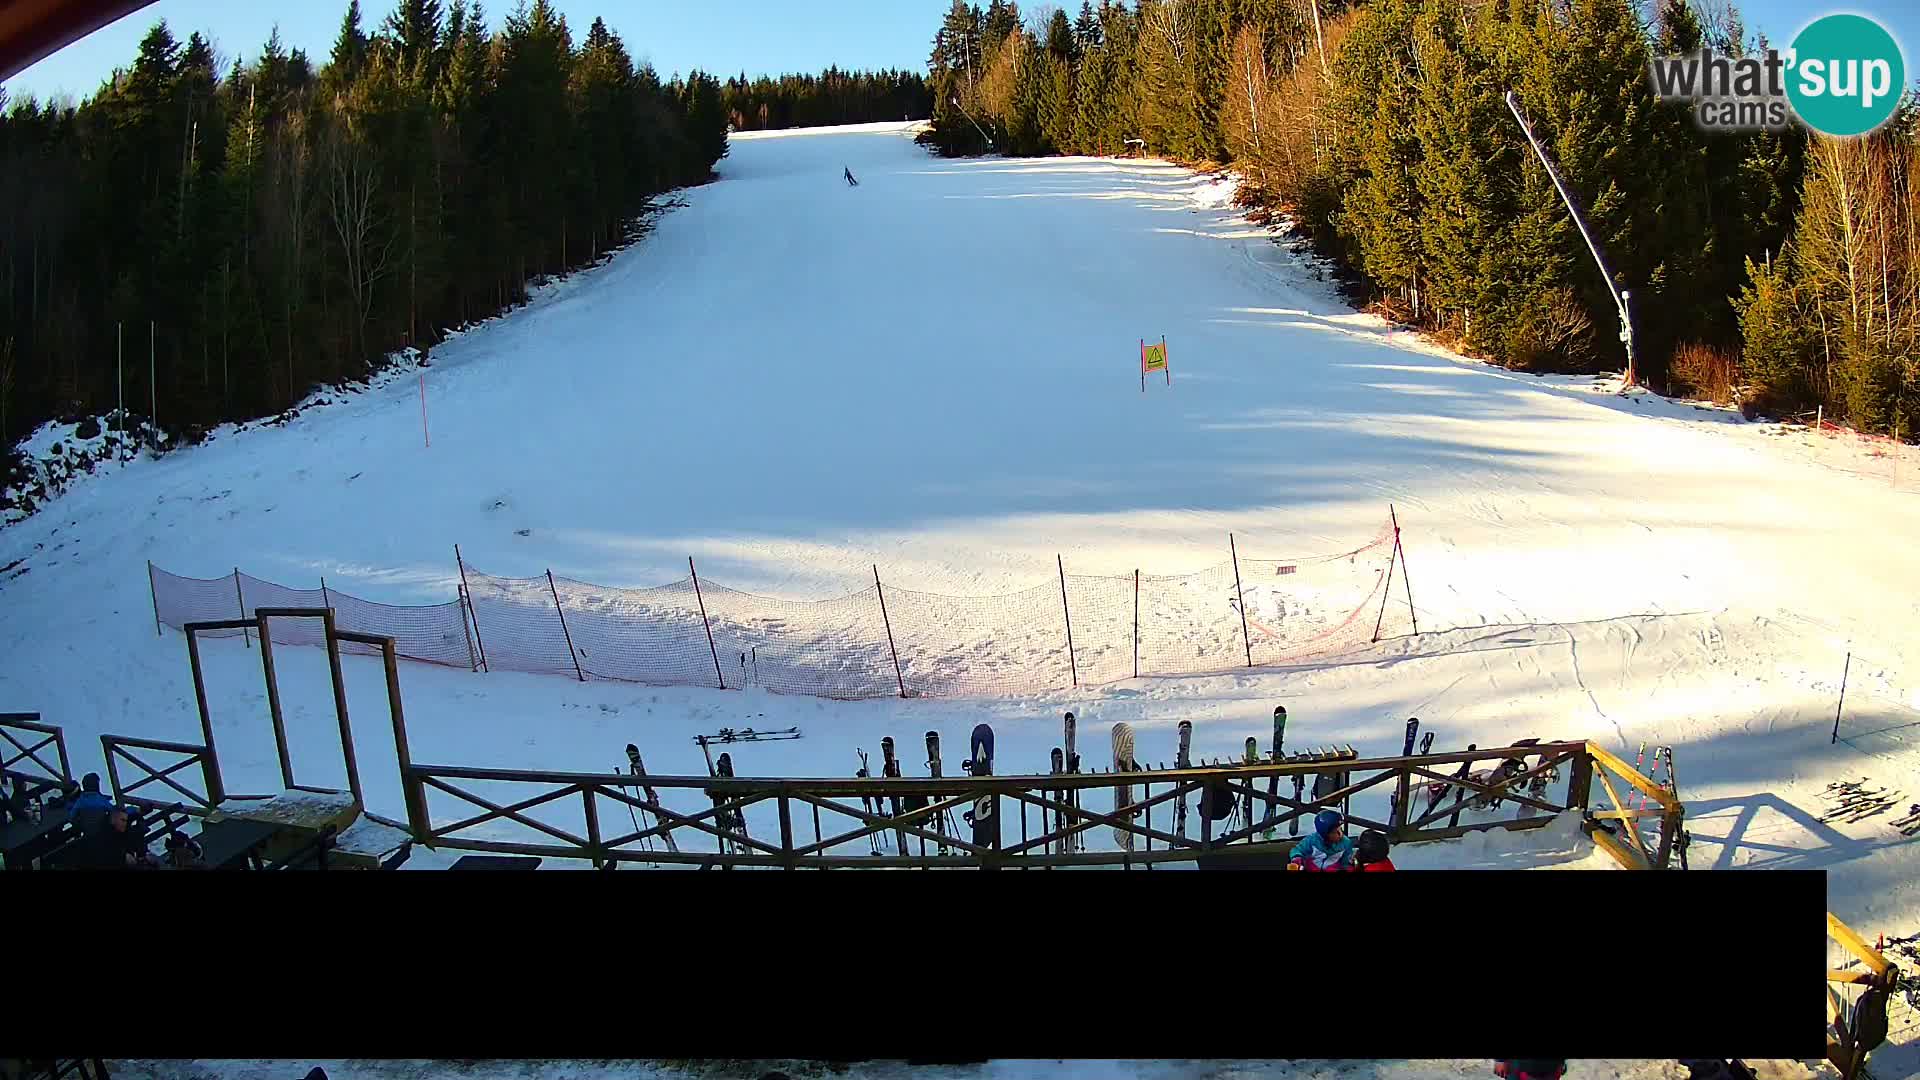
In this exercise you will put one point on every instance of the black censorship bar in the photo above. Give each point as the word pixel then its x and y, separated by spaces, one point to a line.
pixel 939 964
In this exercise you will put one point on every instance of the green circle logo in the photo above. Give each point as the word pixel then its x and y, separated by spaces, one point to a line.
pixel 1846 75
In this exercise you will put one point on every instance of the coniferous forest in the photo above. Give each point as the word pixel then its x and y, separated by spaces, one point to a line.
pixel 271 226
pixel 1780 270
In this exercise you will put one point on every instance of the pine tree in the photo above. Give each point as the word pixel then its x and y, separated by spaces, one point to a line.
pixel 349 46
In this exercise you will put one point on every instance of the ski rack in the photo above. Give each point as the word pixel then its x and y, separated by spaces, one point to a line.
pixel 842 826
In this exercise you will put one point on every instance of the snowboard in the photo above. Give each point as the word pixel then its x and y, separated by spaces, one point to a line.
pixel 1273 782
pixel 1183 759
pixel 1122 795
pixel 983 817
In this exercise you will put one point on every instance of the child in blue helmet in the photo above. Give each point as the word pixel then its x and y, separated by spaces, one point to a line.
pixel 1329 848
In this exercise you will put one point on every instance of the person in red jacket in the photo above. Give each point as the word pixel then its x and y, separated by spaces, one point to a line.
pixel 1370 853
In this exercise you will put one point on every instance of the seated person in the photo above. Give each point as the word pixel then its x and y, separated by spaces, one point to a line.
pixel 89 808
pixel 13 800
pixel 114 844
pixel 1370 853
pixel 1329 848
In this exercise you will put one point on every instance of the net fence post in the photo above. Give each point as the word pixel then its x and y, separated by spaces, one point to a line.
pixel 241 597
pixel 466 595
pixel 564 632
pixel 154 592
pixel 1136 622
pixel 1240 599
pixel 717 673
pixel 886 622
pixel 1073 666
pixel 1386 591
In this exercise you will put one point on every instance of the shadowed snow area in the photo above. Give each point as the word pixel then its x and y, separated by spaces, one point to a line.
pixel 793 380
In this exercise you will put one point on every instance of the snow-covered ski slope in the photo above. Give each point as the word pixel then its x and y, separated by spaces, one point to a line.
pixel 936 372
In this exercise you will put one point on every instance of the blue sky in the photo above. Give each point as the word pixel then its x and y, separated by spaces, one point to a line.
pixel 723 36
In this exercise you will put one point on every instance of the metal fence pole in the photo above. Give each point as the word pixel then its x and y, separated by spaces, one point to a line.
pixel 1842 703
pixel 564 632
pixel 888 623
pixel 466 594
pixel 703 622
pixel 1136 623
pixel 237 595
pixel 154 591
pixel 1073 666
pixel 1240 598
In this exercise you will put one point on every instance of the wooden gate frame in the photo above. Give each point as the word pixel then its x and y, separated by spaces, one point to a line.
pixel 259 623
pixel 1051 794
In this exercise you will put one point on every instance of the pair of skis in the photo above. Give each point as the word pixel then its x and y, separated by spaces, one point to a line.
pixel 637 770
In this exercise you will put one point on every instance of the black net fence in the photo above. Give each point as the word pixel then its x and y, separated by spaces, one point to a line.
pixel 881 641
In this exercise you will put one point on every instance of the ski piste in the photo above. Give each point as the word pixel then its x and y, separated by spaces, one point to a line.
pixel 983 818
pixel 943 821
pixel 1273 782
pixel 1079 839
pixel 1406 750
pixel 1183 759
pixel 637 768
pixel 1122 795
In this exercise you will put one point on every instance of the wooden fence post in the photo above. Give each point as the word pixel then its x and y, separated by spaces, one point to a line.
pixel 472 612
pixel 703 622
pixel 1240 599
pixel 888 623
pixel 1073 665
pixel 564 632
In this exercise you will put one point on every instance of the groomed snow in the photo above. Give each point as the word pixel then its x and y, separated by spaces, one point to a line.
pixel 936 372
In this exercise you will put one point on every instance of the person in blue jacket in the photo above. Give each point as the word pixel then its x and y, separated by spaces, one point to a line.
pixel 89 808
pixel 1329 848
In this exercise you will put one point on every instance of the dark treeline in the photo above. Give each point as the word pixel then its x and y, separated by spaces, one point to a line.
pixel 1780 270
pixel 285 223
pixel 832 97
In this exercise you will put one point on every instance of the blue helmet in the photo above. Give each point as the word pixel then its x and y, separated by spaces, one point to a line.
pixel 1326 821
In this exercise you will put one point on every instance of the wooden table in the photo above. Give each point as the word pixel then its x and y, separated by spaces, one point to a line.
pixel 235 843
pixel 495 862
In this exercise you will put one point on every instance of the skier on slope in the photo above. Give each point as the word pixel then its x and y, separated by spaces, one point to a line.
pixel 1329 848
pixel 848 173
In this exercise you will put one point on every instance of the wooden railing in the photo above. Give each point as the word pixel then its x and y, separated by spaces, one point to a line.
pixel 21 758
pixel 1617 831
pixel 117 748
pixel 1851 1034
pixel 814 822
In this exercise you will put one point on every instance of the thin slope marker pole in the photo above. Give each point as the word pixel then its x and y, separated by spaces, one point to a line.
pixel 154 592
pixel 1842 703
pixel 1405 579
